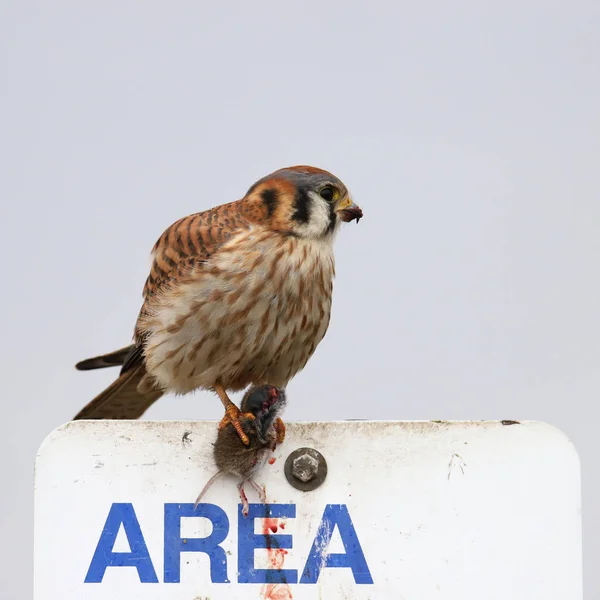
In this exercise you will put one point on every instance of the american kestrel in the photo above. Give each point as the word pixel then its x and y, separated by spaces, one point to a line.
pixel 239 294
pixel 260 409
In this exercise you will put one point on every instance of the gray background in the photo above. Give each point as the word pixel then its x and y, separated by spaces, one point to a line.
pixel 469 134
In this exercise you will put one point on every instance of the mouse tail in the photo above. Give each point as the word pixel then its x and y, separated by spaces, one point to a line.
pixel 208 484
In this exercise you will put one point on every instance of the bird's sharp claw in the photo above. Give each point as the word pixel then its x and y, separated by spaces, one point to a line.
pixel 232 415
pixel 280 430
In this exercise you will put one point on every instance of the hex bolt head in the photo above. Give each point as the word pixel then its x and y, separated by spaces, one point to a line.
pixel 305 469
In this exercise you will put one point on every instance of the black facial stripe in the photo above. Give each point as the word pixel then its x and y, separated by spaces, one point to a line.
pixel 301 206
pixel 270 197
pixel 332 218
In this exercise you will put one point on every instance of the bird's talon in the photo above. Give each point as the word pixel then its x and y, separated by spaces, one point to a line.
pixel 280 430
pixel 245 439
pixel 232 415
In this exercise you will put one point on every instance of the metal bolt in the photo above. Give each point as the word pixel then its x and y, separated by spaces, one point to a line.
pixel 305 469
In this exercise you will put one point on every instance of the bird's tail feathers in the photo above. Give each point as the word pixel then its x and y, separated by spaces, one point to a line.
pixel 112 359
pixel 128 397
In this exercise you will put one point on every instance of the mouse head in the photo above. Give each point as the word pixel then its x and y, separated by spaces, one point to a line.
pixel 262 400
pixel 265 402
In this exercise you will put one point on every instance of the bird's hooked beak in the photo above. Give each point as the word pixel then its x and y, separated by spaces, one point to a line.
pixel 348 211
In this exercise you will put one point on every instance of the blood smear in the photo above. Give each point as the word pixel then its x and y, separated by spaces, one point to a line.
pixel 276 556
pixel 270 525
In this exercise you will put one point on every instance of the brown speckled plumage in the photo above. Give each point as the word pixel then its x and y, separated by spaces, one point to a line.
pixel 237 295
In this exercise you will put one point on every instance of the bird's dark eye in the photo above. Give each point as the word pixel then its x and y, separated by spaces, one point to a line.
pixel 327 193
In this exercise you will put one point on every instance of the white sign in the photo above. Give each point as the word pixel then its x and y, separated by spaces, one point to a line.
pixel 408 510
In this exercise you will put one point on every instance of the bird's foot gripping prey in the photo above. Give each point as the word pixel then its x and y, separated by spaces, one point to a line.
pixel 232 415
pixel 237 295
pixel 260 421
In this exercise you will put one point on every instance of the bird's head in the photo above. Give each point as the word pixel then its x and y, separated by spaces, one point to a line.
pixel 305 201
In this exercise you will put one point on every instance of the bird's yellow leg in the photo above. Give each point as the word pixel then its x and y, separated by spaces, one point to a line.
pixel 232 414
